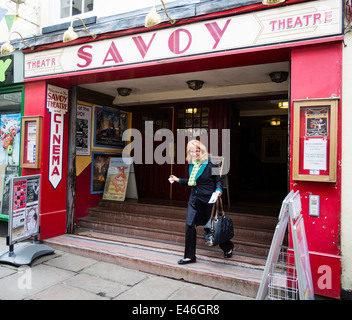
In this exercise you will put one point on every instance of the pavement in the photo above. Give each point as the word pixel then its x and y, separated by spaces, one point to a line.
pixel 66 276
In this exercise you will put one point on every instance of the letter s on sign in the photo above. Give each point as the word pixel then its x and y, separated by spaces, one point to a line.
pixel 85 56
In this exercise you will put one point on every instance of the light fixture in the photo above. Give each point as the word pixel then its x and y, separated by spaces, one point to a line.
pixel 278 76
pixel 124 92
pixel 191 110
pixel 271 2
pixel 283 105
pixel 7 47
pixel 153 18
pixel 71 35
pixel 275 122
pixel 195 84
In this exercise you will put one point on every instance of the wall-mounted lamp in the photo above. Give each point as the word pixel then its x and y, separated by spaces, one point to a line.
pixel 278 76
pixel 271 2
pixel 195 84
pixel 124 92
pixel 153 18
pixel 71 35
pixel 7 47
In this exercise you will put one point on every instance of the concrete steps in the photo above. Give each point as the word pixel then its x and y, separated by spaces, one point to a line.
pixel 241 274
pixel 253 233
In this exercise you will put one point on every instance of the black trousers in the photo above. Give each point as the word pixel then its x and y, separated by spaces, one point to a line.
pixel 190 242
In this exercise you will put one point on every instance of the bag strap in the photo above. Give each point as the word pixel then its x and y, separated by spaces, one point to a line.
pixel 216 205
pixel 221 206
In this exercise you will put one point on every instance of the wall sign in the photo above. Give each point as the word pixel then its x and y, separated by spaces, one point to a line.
pixel 57 104
pixel 6 69
pixel 314 19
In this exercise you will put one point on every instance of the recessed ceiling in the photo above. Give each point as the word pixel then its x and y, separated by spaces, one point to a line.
pixel 218 84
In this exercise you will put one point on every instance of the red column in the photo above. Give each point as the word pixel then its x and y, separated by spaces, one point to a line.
pixel 316 73
pixel 52 201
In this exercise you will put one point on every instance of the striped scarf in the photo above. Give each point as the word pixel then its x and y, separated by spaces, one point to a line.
pixel 192 177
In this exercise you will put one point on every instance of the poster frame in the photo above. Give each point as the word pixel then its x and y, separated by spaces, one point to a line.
pixel 298 106
pixel 97 143
pixel 36 206
pixel 25 142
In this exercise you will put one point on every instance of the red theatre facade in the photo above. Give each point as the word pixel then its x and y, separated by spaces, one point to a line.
pixel 303 37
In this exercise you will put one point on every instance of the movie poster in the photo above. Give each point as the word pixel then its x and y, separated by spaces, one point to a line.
pixel 109 128
pixel 83 130
pixel 117 179
pixel 10 126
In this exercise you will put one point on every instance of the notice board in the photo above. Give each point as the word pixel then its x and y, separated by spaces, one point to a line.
pixel 24 208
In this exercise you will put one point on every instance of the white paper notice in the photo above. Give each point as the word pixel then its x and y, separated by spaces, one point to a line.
pixel 315 154
pixel 214 197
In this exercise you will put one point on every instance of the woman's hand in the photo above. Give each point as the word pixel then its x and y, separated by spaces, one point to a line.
pixel 174 178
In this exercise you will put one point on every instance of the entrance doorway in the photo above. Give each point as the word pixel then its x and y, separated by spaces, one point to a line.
pixel 259 144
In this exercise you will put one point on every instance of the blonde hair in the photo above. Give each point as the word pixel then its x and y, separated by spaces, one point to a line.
pixel 196 144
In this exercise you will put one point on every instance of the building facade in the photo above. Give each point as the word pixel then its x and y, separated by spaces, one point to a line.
pixel 248 59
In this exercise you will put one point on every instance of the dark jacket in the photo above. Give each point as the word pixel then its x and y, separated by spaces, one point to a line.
pixel 208 181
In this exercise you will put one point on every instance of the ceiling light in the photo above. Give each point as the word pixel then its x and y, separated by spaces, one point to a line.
pixel 283 105
pixel 278 76
pixel 7 47
pixel 71 35
pixel 275 123
pixel 153 18
pixel 124 92
pixel 195 84
pixel 271 2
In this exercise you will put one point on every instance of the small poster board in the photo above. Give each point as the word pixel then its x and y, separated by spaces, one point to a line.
pixel 304 274
pixel 117 178
pixel 290 210
pixel 24 208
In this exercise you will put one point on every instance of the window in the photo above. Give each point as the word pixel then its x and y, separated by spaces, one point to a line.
pixel 73 7
pixel 194 121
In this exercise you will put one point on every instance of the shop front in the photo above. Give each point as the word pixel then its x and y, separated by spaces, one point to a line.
pixel 268 149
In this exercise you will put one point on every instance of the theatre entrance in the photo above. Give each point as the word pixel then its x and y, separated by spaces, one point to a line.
pixel 258 173
pixel 259 143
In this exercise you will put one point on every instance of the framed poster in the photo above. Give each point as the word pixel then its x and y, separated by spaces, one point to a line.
pixel 83 130
pixel 30 142
pixel 100 165
pixel 24 208
pixel 109 125
pixel 315 140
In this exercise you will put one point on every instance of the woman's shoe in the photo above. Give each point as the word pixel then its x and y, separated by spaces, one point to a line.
pixel 187 261
pixel 228 255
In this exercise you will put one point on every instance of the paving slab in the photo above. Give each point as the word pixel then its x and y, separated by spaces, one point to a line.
pixel 152 288
pixel 96 285
pixel 28 281
pixel 116 273
pixel 64 292
pixel 71 262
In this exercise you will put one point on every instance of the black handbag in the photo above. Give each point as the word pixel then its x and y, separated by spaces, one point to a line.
pixel 219 228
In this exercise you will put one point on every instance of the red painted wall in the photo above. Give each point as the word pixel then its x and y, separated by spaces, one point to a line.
pixel 52 202
pixel 316 73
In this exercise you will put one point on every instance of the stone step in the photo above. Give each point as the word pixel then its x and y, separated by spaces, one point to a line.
pixel 154 228
pixel 240 274
pixel 179 211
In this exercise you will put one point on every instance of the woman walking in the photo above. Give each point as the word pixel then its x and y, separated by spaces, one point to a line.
pixel 203 181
